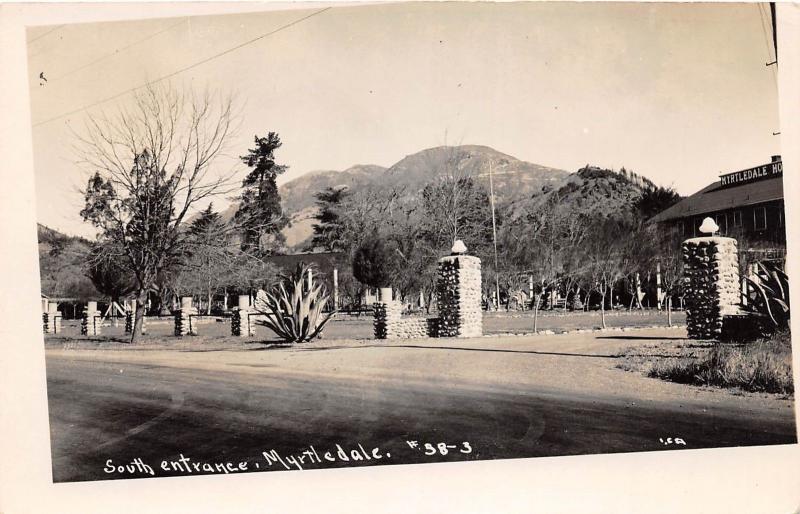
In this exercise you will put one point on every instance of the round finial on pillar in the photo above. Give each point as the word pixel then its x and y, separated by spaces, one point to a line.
pixel 709 226
pixel 459 248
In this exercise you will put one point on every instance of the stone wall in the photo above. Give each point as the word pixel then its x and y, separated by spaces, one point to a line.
pixel 389 323
pixel 458 296
pixel 712 287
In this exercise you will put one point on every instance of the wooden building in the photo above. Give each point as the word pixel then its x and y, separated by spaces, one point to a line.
pixel 747 205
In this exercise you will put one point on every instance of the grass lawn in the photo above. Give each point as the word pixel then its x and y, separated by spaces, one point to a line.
pixel 350 327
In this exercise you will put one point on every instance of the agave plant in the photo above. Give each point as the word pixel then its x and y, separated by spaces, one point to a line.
pixel 293 311
pixel 771 289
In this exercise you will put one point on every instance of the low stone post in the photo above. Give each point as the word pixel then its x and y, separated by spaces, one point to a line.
pixel 130 309
pixel 130 318
pixel 90 325
pixel 659 295
pixel 387 314
pixel 711 277
pixel 184 325
pixel 335 288
pixel 458 294
pixel 51 318
pixel 240 319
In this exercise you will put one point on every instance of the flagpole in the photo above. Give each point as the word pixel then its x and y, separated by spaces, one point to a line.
pixel 494 236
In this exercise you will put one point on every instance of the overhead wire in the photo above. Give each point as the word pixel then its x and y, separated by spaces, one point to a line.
pixel 186 68
pixel 117 51
pixel 766 28
pixel 46 33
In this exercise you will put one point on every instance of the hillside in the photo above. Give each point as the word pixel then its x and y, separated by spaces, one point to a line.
pixel 298 194
pixel 62 264
pixel 591 190
pixel 513 178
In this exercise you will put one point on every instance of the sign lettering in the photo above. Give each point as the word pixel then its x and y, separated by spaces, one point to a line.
pixel 773 169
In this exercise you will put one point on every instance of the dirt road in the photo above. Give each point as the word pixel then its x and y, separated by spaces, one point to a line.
pixel 504 397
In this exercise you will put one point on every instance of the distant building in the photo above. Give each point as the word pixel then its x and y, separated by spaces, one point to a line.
pixel 746 204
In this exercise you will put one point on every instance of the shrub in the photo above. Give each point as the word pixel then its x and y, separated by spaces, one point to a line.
pixel 765 366
pixel 295 315
pixel 771 295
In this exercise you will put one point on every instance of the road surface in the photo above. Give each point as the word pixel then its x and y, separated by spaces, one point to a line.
pixel 483 399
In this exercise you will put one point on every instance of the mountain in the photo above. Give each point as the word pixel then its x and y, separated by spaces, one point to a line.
pixel 512 178
pixel 519 186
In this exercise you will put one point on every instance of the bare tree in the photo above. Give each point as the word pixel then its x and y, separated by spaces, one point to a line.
pixel 152 163
pixel 670 264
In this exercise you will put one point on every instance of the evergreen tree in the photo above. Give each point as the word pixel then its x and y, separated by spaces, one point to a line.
pixel 260 212
pixel 329 229
pixel 655 200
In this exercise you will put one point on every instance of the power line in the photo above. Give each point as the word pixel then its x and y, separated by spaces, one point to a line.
pixel 177 72
pixel 118 50
pixel 46 33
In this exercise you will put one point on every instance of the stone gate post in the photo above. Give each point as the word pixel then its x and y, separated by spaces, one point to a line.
pixel 712 288
pixel 458 294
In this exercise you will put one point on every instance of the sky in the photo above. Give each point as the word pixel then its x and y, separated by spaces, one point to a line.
pixel 677 92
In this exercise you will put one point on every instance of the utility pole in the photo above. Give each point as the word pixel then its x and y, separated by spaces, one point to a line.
pixel 494 235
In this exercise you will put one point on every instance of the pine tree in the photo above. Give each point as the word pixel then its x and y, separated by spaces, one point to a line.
pixel 328 228
pixel 260 212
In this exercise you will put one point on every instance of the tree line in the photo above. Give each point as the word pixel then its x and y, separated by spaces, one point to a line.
pixel 153 163
pixel 393 237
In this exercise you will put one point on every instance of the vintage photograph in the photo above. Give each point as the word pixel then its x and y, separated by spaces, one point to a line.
pixel 333 236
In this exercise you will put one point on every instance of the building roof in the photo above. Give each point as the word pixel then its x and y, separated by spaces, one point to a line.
pixel 715 198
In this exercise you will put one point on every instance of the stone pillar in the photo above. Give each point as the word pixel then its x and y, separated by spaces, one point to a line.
pixel 90 325
pixel 711 276
pixel 184 324
pixel 458 294
pixel 130 309
pixel 241 325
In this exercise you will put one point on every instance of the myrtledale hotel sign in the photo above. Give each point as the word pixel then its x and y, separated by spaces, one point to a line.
pixel 771 170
